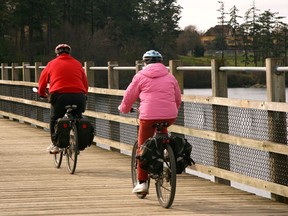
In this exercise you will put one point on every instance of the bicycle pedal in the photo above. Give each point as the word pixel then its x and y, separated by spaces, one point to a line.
pixel 143 193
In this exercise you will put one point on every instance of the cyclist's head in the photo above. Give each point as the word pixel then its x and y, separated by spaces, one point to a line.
pixel 152 56
pixel 62 48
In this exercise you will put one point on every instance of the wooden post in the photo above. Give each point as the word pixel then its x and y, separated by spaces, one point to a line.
pixel 173 64
pixel 220 118
pixel 4 71
pixel 178 74
pixel 89 73
pixel 26 72
pixel 219 79
pixel 139 65
pixel 113 83
pixel 37 71
pixel 275 82
pixel 15 72
pixel 113 75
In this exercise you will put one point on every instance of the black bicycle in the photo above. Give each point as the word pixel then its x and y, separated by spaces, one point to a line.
pixel 68 140
pixel 165 181
pixel 69 131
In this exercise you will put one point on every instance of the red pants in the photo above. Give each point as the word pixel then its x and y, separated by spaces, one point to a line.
pixel 146 131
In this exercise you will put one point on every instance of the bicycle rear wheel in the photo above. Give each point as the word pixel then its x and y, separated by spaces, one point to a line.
pixel 134 172
pixel 58 159
pixel 166 183
pixel 72 150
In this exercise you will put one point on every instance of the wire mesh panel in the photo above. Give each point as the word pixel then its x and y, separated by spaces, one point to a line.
pixel 243 122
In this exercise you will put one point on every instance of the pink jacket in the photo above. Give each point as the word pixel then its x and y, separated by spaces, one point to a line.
pixel 158 91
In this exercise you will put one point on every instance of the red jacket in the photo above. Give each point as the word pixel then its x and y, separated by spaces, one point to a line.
pixel 65 75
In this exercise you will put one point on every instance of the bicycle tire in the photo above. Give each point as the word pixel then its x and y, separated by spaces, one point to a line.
pixel 134 171
pixel 166 183
pixel 72 150
pixel 58 159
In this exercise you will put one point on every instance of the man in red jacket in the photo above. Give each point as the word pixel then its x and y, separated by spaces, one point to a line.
pixel 67 85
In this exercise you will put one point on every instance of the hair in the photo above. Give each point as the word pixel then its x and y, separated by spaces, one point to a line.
pixel 152 60
pixel 62 48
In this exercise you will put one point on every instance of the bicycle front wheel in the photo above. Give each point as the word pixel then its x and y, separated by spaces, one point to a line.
pixel 134 172
pixel 166 183
pixel 72 150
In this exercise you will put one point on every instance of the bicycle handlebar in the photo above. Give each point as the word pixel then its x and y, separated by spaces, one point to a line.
pixel 35 90
pixel 133 109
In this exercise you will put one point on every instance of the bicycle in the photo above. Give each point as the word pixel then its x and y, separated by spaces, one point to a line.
pixel 71 151
pixel 165 182
pixel 68 139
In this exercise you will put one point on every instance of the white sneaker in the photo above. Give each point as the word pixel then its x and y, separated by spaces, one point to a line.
pixel 140 188
pixel 53 149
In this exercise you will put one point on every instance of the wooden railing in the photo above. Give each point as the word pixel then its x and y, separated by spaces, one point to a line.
pixel 243 141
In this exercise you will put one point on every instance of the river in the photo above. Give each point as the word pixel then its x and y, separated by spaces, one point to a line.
pixel 235 93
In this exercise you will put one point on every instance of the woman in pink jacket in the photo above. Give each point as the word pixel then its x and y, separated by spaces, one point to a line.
pixel 160 99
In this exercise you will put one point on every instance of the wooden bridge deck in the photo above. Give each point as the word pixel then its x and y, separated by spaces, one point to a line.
pixel 31 185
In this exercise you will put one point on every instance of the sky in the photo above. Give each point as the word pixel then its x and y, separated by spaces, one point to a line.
pixel 203 13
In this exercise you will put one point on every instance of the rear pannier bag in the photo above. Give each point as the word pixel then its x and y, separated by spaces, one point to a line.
pixel 62 133
pixel 182 150
pixel 85 133
pixel 151 156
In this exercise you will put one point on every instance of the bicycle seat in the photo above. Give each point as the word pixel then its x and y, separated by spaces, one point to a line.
pixel 71 107
pixel 160 125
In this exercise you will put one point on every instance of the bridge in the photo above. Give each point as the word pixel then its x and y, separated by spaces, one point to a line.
pixel 236 143
pixel 31 185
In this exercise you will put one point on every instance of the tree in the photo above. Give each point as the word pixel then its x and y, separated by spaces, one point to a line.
pixel 234 26
pixel 220 39
pixel 159 24
pixel 189 42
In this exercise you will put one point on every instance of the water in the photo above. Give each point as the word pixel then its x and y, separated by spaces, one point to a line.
pixel 235 93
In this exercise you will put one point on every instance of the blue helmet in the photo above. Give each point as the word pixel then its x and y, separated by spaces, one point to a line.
pixel 152 54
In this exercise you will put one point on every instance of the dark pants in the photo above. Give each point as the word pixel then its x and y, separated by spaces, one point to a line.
pixel 59 101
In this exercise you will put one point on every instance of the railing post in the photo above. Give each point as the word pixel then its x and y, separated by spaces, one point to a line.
pixel 4 71
pixel 275 82
pixel 219 79
pixel 220 118
pixel 15 72
pixel 178 74
pixel 173 64
pixel 113 83
pixel 113 75
pixel 139 65
pixel 37 71
pixel 89 73
pixel 26 72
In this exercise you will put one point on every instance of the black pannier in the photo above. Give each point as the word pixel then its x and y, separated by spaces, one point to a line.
pixel 85 133
pixel 62 133
pixel 151 155
pixel 182 150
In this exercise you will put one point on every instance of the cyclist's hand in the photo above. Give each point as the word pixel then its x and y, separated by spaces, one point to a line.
pixel 119 107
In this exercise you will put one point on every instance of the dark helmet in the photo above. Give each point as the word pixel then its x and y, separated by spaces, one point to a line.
pixel 152 56
pixel 63 48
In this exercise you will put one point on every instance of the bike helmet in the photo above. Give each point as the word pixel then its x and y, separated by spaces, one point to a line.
pixel 152 56
pixel 62 48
